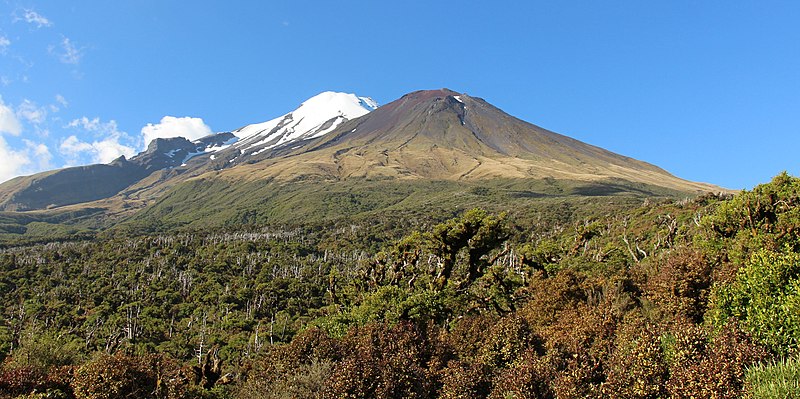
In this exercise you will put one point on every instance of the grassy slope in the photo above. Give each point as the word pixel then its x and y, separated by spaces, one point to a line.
pixel 209 203
pixel 204 203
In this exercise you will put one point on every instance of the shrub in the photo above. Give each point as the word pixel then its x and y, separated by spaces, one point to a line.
pixel 765 297
pixel 118 376
pixel 16 380
pixel 305 381
pixel 527 378
pixel 382 361
pixel 720 373
pixel 462 380
pixel 681 286
pixel 636 368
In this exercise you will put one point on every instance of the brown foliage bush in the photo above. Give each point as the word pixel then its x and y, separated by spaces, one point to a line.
pixel 716 370
pixel 121 376
pixel 461 380
pixel 311 344
pixel 637 368
pixel 505 340
pixel 547 297
pixel 382 361
pixel 681 285
pixel 305 381
pixel 468 336
pixel 529 377
pixel 18 380
pixel 579 377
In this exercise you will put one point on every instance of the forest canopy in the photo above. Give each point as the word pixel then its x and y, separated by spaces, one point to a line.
pixel 655 300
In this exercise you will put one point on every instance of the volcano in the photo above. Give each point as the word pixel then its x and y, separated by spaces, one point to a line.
pixel 445 135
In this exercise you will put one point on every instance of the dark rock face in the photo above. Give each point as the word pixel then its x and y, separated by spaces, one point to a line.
pixel 165 153
pixel 76 185
pixel 175 151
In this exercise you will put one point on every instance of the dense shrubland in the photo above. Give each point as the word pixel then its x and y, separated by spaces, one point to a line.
pixel 694 298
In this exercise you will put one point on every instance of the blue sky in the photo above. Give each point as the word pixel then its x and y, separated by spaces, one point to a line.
pixel 710 90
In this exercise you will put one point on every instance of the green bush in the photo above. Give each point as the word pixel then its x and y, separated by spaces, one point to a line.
pixel 765 297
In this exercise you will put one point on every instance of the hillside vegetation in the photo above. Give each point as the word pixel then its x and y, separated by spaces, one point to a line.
pixel 591 297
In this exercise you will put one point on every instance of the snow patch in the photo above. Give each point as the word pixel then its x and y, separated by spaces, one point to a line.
pixel 368 102
pixel 171 153
pixel 190 156
pixel 222 146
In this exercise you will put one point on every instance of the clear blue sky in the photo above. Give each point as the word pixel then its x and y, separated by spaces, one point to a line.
pixel 709 90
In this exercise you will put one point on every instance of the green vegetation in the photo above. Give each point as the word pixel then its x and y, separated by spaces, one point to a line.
pixel 558 297
pixel 774 380
pixel 315 202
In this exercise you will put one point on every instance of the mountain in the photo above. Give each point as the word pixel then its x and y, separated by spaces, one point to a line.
pixel 441 134
pixel 339 154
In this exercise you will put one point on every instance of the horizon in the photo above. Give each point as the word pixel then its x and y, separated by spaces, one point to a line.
pixel 680 85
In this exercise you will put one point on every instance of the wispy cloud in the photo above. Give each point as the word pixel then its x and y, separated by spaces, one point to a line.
pixel 40 155
pixel 62 101
pixel 68 53
pixel 5 43
pixel 31 112
pixel 95 125
pixel 34 18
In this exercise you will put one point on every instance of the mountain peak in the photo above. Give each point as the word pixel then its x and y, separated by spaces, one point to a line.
pixel 315 117
pixel 422 95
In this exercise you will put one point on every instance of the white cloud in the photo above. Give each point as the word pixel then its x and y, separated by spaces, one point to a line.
pixel 111 149
pixel 8 121
pixel 59 101
pixel 170 126
pixel 41 154
pixel 108 148
pixel 103 151
pixel 32 17
pixel 73 146
pixel 33 158
pixel 11 162
pixel 31 112
pixel 4 44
